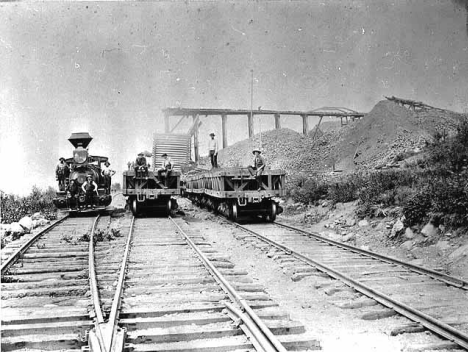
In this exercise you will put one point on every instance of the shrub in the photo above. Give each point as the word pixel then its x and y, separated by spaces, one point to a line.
pixel 15 207
pixel 417 207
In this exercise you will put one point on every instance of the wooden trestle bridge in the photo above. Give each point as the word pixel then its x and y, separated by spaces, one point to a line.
pixel 344 114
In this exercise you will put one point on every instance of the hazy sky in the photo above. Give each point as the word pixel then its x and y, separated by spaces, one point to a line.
pixel 109 68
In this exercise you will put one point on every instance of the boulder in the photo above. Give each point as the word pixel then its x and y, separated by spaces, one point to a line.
pixel 459 253
pixel 26 223
pixel 429 230
pixel 407 245
pixel 5 227
pixel 42 222
pixel 397 229
pixel 363 223
pixel 409 234
pixel 37 216
pixel 16 229
pixel 349 237
pixel 350 222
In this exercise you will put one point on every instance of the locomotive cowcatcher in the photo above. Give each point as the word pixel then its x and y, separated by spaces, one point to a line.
pixel 81 166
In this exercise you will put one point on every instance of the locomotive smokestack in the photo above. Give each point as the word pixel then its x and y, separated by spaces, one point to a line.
pixel 80 139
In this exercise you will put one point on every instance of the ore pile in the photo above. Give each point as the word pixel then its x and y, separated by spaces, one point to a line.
pixel 283 149
pixel 378 140
pixel 389 131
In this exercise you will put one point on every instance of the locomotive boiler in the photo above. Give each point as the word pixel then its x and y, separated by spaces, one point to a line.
pixel 70 196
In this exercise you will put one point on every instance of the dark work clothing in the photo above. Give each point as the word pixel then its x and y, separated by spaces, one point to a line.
pixel 90 190
pixel 74 192
pixel 62 171
pixel 141 167
pixel 258 161
pixel 166 169
pixel 164 178
pixel 214 158
pixel 257 169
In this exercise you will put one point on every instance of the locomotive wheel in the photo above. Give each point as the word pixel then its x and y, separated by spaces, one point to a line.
pixel 272 214
pixel 234 211
pixel 168 207
pixel 134 207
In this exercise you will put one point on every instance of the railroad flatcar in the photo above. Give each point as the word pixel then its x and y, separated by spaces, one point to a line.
pixel 235 193
pixel 145 192
pixel 77 169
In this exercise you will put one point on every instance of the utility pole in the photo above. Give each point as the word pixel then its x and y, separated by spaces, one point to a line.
pixel 251 95
pixel 1 205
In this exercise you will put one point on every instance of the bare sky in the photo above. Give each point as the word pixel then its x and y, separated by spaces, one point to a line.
pixel 109 68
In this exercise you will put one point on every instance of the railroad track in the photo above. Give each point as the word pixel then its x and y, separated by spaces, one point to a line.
pixel 153 287
pixel 180 294
pixel 46 302
pixel 430 299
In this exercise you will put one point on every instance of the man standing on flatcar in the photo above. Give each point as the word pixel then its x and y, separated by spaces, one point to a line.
pixel 107 173
pixel 256 170
pixel 90 187
pixel 62 171
pixel 166 167
pixel 213 150
pixel 141 167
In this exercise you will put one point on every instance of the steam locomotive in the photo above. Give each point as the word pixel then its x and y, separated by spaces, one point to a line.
pixel 79 167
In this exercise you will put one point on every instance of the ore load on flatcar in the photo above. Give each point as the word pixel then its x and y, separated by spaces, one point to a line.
pixel 78 169
pixel 234 192
pixel 150 193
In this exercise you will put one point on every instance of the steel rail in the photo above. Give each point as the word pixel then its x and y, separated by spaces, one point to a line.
pixel 19 252
pixel 100 346
pixel 258 340
pixel 450 280
pixel 113 315
pixel 275 343
pixel 92 275
pixel 427 321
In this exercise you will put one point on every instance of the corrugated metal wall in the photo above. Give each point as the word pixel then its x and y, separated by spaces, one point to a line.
pixel 177 146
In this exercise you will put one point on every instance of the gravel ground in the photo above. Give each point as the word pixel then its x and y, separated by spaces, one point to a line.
pixel 336 328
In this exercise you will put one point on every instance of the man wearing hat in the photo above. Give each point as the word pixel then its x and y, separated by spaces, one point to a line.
pixel 141 167
pixel 107 173
pixel 213 150
pixel 256 170
pixel 166 168
pixel 90 187
pixel 62 171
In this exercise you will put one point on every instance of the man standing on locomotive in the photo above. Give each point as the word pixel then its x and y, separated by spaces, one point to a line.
pixel 73 193
pixel 141 167
pixel 166 167
pixel 62 171
pixel 213 150
pixel 107 173
pixel 258 167
pixel 90 187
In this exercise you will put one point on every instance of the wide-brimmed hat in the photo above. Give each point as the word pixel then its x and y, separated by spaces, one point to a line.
pixel 62 158
pixel 164 155
pixel 212 134
pixel 141 154
pixel 256 150
pixel 89 176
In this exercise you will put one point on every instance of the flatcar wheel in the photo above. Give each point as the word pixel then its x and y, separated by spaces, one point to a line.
pixel 234 215
pixel 168 207
pixel 273 210
pixel 134 207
